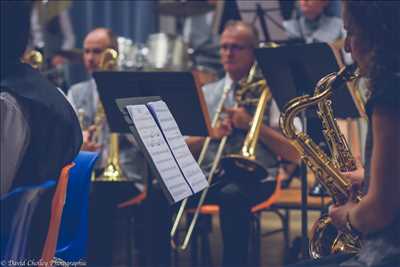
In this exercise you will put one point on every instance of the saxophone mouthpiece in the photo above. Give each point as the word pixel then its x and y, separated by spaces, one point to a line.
pixel 345 74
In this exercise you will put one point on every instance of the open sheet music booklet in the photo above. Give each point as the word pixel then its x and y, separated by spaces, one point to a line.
pixel 158 132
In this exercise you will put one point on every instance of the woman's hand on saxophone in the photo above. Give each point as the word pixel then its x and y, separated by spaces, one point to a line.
pixel 88 143
pixel 339 213
pixel 356 178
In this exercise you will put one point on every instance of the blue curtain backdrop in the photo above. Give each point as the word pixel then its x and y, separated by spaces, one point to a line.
pixel 131 19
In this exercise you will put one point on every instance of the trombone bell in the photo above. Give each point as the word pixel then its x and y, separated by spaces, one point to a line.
pixel 113 171
pixel 243 166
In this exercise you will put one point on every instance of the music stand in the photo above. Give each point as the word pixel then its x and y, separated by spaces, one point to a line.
pixel 189 109
pixel 292 71
pixel 177 89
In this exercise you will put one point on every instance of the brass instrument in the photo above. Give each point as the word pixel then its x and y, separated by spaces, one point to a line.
pixel 112 171
pixel 109 59
pixel 246 160
pixel 358 98
pixel 325 237
pixel 33 58
pixel 81 118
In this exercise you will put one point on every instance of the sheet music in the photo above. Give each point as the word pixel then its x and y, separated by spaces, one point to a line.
pixel 191 170
pixel 159 152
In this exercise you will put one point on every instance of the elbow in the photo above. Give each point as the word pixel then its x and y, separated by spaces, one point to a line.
pixel 296 156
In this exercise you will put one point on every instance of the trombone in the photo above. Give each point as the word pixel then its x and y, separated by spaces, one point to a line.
pixel 210 176
pixel 246 160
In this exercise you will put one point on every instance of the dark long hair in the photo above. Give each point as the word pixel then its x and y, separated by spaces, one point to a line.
pixel 378 23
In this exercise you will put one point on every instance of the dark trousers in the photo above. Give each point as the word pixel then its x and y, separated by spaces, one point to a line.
pixel 156 234
pixel 235 198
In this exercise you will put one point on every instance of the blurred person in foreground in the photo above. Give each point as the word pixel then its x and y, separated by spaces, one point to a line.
pixel 39 135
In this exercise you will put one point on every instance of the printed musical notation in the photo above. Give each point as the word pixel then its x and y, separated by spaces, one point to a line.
pixel 191 170
pixel 159 152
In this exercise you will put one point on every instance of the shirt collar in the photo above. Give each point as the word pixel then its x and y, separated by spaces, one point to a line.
pixel 228 81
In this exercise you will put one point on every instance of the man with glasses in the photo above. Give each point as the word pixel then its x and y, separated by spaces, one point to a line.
pixel 235 197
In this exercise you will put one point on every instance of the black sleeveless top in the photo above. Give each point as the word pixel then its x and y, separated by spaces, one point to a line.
pixel 382 247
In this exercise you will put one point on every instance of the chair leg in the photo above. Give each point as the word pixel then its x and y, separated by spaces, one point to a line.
pixel 200 244
pixel 286 229
pixel 175 251
pixel 255 241
pixel 205 250
pixel 194 250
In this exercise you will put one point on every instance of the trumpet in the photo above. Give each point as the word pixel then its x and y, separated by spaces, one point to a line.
pixel 244 161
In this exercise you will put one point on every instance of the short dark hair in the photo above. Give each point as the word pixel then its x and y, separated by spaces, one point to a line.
pixel 250 27
pixel 15 29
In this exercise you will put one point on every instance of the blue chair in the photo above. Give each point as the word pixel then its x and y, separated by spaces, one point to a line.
pixel 72 239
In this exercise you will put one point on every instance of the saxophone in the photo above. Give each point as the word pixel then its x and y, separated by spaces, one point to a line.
pixel 325 238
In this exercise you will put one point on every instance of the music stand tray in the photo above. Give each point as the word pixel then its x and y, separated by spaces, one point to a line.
pixel 295 70
pixel 177 89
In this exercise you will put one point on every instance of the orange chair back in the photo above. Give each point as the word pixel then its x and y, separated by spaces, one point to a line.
pixel 57 207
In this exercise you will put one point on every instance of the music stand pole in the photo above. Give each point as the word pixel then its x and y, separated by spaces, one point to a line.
pixel 263 23
pixel 304 194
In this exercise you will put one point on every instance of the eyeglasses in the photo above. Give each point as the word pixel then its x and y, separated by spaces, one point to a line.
pixel 93 50
pixel 234 47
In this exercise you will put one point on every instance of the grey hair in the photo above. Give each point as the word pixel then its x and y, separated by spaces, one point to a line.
pixel 234 23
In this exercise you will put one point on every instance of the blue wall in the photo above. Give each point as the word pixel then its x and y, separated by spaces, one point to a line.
pixel 130 19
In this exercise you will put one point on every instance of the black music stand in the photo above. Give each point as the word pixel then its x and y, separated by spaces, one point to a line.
pixel 188 107
pixel 177 89
pixel 292 71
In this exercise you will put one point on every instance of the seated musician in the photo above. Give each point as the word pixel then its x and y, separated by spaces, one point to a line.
pixel 39 135
pixel 104 197
pixel 312 25
pixel 236 196
pixel 85 99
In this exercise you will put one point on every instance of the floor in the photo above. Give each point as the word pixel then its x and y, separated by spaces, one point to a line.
pixel 272 246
